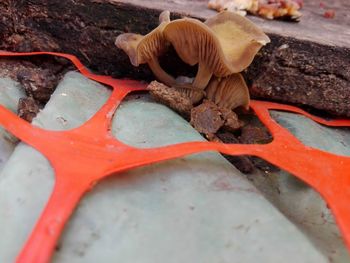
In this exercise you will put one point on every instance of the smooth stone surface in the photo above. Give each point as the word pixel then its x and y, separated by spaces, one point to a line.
pixel 193 209
pixel 300 203
pixel 332 139
pixel 75 100
pixel 27 178
pixel 10 93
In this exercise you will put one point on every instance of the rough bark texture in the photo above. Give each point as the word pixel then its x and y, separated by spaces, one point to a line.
pixel 302 72
pixel 83 28
pixel 171 97
pixel 290 69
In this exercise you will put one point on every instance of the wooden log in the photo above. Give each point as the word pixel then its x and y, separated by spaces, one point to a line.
pixel 306 63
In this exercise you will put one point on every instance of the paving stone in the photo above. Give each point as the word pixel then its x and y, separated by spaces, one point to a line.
pixel 10 93
pixel 193 209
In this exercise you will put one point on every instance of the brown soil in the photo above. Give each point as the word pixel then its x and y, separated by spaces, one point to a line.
pixel 27 108
pixel 254 134
pixel 207 118
pixel 218 125
pixel 242 163
pixel 170 97
pixel 38 76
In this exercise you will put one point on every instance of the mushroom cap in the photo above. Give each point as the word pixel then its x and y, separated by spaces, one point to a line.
pixel 229 92
pixel 226 43
pixel 129 42
pixel 141 49
pixel 164 17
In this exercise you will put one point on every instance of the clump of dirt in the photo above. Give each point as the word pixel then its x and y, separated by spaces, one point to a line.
pixel 208 118
pixel 27 108
pixel 232 123
pixel 38 83
pixel 38 76
pixel 170 97
pixel 219 125
pixel 252 134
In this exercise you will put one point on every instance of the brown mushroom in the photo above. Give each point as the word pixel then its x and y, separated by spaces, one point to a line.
pixel 224 44
pixel 146 49
pixel 229 92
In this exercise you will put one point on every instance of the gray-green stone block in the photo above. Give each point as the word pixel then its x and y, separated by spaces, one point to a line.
pixel 10 93
pixel 193 209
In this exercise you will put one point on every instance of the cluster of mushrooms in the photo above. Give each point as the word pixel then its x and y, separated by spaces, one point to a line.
pixel 222 46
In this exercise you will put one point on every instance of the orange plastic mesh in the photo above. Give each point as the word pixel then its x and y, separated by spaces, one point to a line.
pixel 90 153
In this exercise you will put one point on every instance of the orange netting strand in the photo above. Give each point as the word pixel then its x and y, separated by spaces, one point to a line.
pixel 90 153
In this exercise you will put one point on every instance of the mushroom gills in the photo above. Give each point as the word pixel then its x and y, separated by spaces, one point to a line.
pixel 146 49
pixel 229 92
pixel 223 45
pixel 192 42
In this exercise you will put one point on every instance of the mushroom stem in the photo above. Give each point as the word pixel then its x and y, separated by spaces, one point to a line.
pixel 203 77
pixel 160 74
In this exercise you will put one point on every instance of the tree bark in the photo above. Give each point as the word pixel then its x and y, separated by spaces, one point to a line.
pixel 306 63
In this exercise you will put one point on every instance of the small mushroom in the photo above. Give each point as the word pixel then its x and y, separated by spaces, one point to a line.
pixel 146 49
pixel 229 92
pixel 224 44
